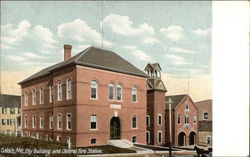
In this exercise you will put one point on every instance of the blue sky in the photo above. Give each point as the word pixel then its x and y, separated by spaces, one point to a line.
pixel 175 34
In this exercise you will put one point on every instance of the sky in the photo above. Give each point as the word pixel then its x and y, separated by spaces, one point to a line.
pixel 176 34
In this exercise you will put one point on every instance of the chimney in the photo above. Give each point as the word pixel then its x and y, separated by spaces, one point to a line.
pixel 67 51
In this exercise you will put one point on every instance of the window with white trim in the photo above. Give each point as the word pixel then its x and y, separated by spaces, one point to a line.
pixel 41 121
pixel 33 121
pixel 51 121
pixel 134 139
pixel 147 120
pixel 195 119
pixel 59 90
pixel 187 107
pixel 186 119
pixel 4 110
pixel 134 94
pixel 33 97
pixel 59 121
pixel 51 93
pixel 93 122
pixel 58 138
pixel 179 119
pixel 147 136
pixel 94 89
pixel 159 119
pixel 69 89
pixel 25 98
pixel 134 122
pixel 69 121
pixel 25 121
pixel 205 117
pixel 93 141
pixel 41 95
pixel 159 137
pixel 119 92
pixel 111 91
pixel 209 140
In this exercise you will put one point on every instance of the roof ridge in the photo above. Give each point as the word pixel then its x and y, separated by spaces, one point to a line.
pixel 177 95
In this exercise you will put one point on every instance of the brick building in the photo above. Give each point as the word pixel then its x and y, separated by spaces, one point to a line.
pixel 205 119
pixel 184 120
pixel 88 99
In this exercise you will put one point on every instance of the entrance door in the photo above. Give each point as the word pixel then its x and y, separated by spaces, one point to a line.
pixel 115 131
pixel 182 139
pixel 192 138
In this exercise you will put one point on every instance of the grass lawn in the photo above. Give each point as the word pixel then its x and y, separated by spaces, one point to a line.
pixel 13 143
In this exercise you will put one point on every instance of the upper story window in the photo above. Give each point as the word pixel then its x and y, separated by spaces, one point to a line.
pixel 59 90
pixel 12 110
pixel 186 119
pixel 51 93
pixel 59 121
pixel 111 91
pixel 41 121
pixel 205 117
pixel 134 122
pixel 119 92
pixel 147 120
pixel 179 119
pixel 41 96
pixel 195 119
pixel 69 89
pixel 159 119
pixel 51 121
pixel 69 121
pixel 25 98
pixel 4 110
pixel 94 88
pixel 134 94
pixel 33 121
pixel 33 97
pixel 93 122
pixel 25 121
pixel 187 107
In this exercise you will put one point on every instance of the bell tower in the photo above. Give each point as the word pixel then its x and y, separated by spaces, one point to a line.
pixel 156 91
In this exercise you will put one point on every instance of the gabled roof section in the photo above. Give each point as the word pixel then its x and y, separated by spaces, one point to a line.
pixel 153 66
pixel 176 99
pixel 155 84
pixel 96 58
pixel 10 101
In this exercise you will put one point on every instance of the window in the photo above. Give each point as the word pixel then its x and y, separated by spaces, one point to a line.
pixel 51 93
pixel 147 136
pixel 134 139
pixel 195 118
pixel 93 122
pixel 41 121
pixel 94 86
pixel 59 121
pixel 187 107
pixel 59 91
pixel 4 110
pixel 111 91
pixel 51 121
pixel 159 137
pixel 179 119
pixel 33 97
pixel 147 120
pixel 134 94
pixel 134 119
pixel 41 96
pixel 25 98
pixel 119 92
pixel 12 110
pixel 159 119
pixel 18 111
pixel 205 115
pixel 59 138
pixel 209 140
pixel 69 121
pixel 12 121
pixel 4 121
pixel 93 141
pixel 186 119
pixel 33 121
pixel 25 121
pixel 69 89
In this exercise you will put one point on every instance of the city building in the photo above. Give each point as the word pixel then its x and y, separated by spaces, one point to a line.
pixel 205 120
pixel 184 120
pixel 9 113
pixel 87 99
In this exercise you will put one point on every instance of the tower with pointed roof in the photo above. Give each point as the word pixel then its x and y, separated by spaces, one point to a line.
pixel 155 119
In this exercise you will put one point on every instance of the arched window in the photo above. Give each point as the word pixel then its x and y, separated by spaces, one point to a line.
pixel 134 94
pixel 69 89
pixel 111 91
pixel 94 88
pixel 33 121
pixel 159 119
pixel 59 91
pixel 33 97
pixel 25 121
pixel 59 121
pixel 69 121
pixel 179 119
pixel 187 107
pixel 51 93
pixel 41 121
pixel 41 95
pixel 147 120
pixel 159 137
pixel 134 139
pixel 119 92
pixel 186 119
pixel 25 98
pixel 51 121
pixel 93 122
pixel 147 136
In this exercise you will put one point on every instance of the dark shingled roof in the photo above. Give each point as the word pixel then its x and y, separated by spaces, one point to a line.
pixel 155 84
pixel 176 99
pixel 10 101
pixel 96 58
pixel 205 126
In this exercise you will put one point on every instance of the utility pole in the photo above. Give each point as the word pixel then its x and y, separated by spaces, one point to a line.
pixel 170 128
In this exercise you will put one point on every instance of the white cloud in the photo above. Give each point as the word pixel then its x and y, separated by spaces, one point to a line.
pixel 176 60
pixel 174 33
pixel 150 40
pixel 201 32
pixel 124 26
pixel 138 53
pixel 178 49
pixel 16 58
pixel 32 55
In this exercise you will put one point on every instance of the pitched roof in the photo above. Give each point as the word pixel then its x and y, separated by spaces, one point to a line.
pixel 176 99
pixel 96 58
pixel 207 103
pixel 10 100
pixel 156 84
pixel 205 126
pixel 153 66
